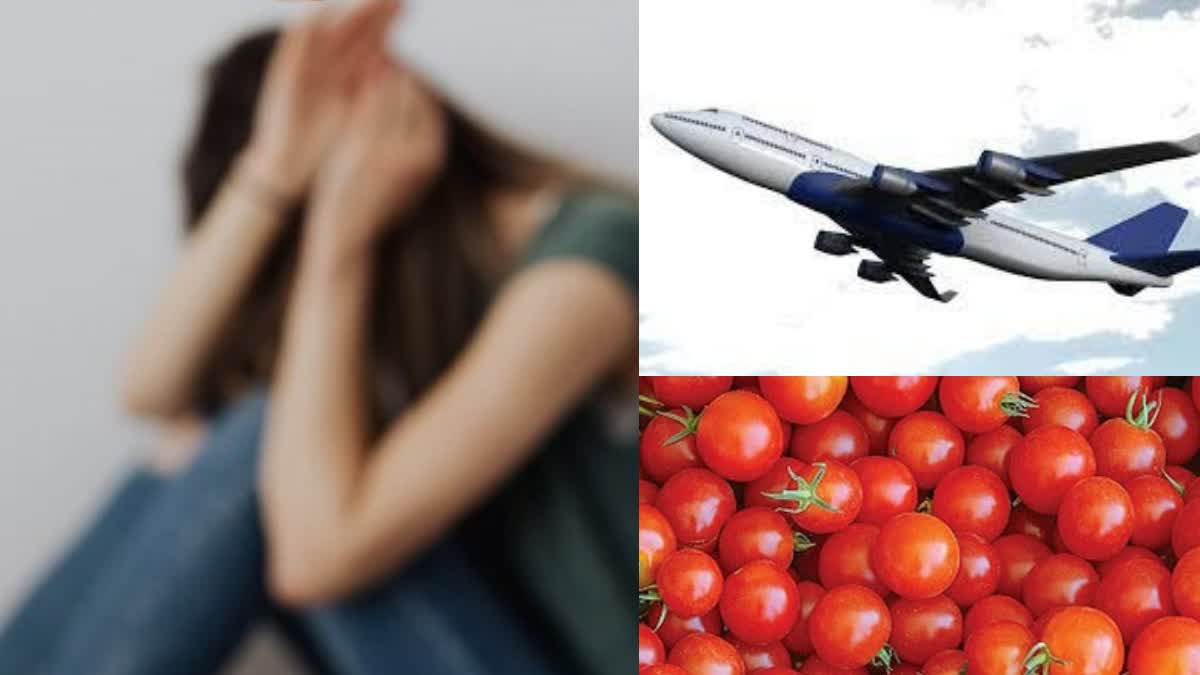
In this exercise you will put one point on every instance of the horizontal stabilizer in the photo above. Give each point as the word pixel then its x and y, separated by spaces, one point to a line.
pixel 1147 234
pixel 1163 265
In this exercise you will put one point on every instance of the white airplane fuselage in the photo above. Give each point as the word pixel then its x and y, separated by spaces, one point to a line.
pixel 806 170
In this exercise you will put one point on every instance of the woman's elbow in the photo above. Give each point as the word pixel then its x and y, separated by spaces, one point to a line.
pixel 302 579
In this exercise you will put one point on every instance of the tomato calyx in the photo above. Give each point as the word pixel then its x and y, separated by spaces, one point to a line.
pixel 690 422
pixel 801 542
pixel 1147 414
pixel 1039 659
pixel 1014 404
pixel 1179 487
pixel 648 405
pixel 926 506
pixel 647 597
pixel 885 659
pixel 804 494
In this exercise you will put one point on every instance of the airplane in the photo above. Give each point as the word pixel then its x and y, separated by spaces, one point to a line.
pixel 902 215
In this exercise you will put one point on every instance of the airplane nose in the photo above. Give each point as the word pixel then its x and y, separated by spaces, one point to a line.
pixel 659 122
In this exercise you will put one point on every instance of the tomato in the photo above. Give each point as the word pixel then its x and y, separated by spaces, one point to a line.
pixel 1065 407
pixel 1047 462
pixel 1185 533
pixel 777 478
pixel 1111 393
pixel 1181 475
pixel 1169 646
pixel 991 449
pixel 760 602
pixel 774 670
pixel 758 657
pixel 972 499
pixel 689 582
pixel 756 533
pixel 704 654
pixel 696 502
pixel 1033 385
pixel 978 570
pixel 675 627
pixel 849 626
pixel 929 445
pixel 922 628
pixel 1018 553
pixel 1177 423
pixel 1086 638
pixel 994 609
pixel 815 666
pixel 1155 506
pixel 1185 584
pixel 893 396
pixel 694 392
pixel 824 497
pixel 838 436
pixel 1128 447
pixel 915 555
pixel 1057 581
pixel 998 649
pixel 650 648
pixel 656 540
pixel 1023 520
pixel 846 558
pixel 1128 553
pixel 663 669
pixel 878 427
pixel 804 400
pixel 647 492
pixel 739 436
pixel 978 404
pixel 948 662
pixel 668 445
pixel 797 640
pixel 1134 594
pixel 1196 392
pixel 1096 518
pixel 888 488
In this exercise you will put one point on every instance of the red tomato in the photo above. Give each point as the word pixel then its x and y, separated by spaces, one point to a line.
pixel 1128 447
pixel 929 445
pixel 656 540
pixel 1024 520
pixel 815 666
pixel 1185 533
pixel 978 570
pixel 972 499
pixel 756 533
pixel 1111 393
pixel 650 649
pixel 675 627
pixel 776 479
pixel 1177 423
pixel 893 396
pixel 998 649
pixel 1128 553
pixel 1057 581
pixel 694 392
pixel 1018 553
pixel 838 436
pixel 804 400
pixel 696 502
pixel 1196 392
pixel 1134 594
pixel 1182 476
pixel 739 436
pixel 1155 506
pixel 888 488
pixel 991 449
pixel 994 609
pixel 849 626
pixel 668 445
pixel 663 669
pixel 846 558
pixel 916 555
pixel 1169 646
pixel 1096 518
pixel 1086 638
pixel 704 654
pixel 1032 385
pixel 1185 584
pixel 760 602
pixel 758 657
pixel 825 497
pixel 1065 407
pixel 948 662
pixel 878 428
pixel 978 404
pixel 797 640
pixel 689 582
pixel 922 628
pixel 775 670
pixel 647 491
pixel 1047 462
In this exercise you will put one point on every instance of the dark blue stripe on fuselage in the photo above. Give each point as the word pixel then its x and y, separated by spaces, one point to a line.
pixel 818 190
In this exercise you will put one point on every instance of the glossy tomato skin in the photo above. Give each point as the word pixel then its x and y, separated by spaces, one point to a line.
pixel 1124 451
pixel 797 640
pixel 804 399
pixel 839 487
pixel 689 582
pixel 878 427
pixel 1135 594
pixel 650 648
pixel 1110 393
pixel 755 533
pixel 647 492
pixel 739 436
pixel 915 556
pixel 1185 584
pixel 995 609
pixel 849 626
pixel 888 488
pixel 846 558
pixel 1128 553
pixel 661 460
pixel 990 450
pixel 656 540
pixel 1096 518
pixel 760 602
pixel 693 391
pixel 929 445
pixel 1058 581
pixel 1046 463
pixel 704 654
pixel 1060 406
pixel 973 402
pixel 1023 520
pixel 697 503
pixel 838 436
pixel 758 657
pixel 1169 646
pixel 893 396
pixel 978 570
pixel 1034 384
pixel 815 666
pixel 663 669
pixel 972 499
pixel 1185 533
pixel 1087 638
pixel 922 628
pixel 948 662
pixel 775 670
pixel 1018 553
pixel 998 649
pixel 674 627
pixel 1177 424
pixel 1155 506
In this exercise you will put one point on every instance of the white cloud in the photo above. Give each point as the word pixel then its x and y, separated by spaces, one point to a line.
pixel 1093 366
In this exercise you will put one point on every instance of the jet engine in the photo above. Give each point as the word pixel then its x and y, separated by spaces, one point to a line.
pixel 904 183
pixel 1014 171
pixel 834 243
pixel 874 271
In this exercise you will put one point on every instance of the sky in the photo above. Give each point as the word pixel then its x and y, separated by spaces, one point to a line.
pixel 729 279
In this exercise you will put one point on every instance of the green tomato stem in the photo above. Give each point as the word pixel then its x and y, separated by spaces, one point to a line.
pixel 804 494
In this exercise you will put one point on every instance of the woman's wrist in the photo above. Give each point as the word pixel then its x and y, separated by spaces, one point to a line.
pixel 267 179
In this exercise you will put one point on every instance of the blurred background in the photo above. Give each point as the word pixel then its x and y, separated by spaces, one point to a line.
pixel 97 101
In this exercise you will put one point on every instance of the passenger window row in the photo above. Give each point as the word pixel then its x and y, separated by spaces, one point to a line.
pixel 681 118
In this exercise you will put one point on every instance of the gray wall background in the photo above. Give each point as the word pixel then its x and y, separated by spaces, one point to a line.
pixel 95 102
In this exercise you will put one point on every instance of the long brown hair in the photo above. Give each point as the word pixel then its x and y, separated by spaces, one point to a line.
pixel 435 269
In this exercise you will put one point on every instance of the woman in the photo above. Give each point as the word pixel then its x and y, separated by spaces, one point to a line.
pixel 431 315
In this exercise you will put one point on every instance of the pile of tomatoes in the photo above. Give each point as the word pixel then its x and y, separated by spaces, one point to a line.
pixel 981 525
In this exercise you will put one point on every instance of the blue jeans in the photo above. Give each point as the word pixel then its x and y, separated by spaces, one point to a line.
pixel 169 578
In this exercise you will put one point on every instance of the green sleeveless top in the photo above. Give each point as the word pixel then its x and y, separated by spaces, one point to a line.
pixel 557 542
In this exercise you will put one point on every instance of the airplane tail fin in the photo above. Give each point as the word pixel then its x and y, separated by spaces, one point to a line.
pixel 1146 234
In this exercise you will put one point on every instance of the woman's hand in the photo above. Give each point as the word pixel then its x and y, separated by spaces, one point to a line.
pixel 315 71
